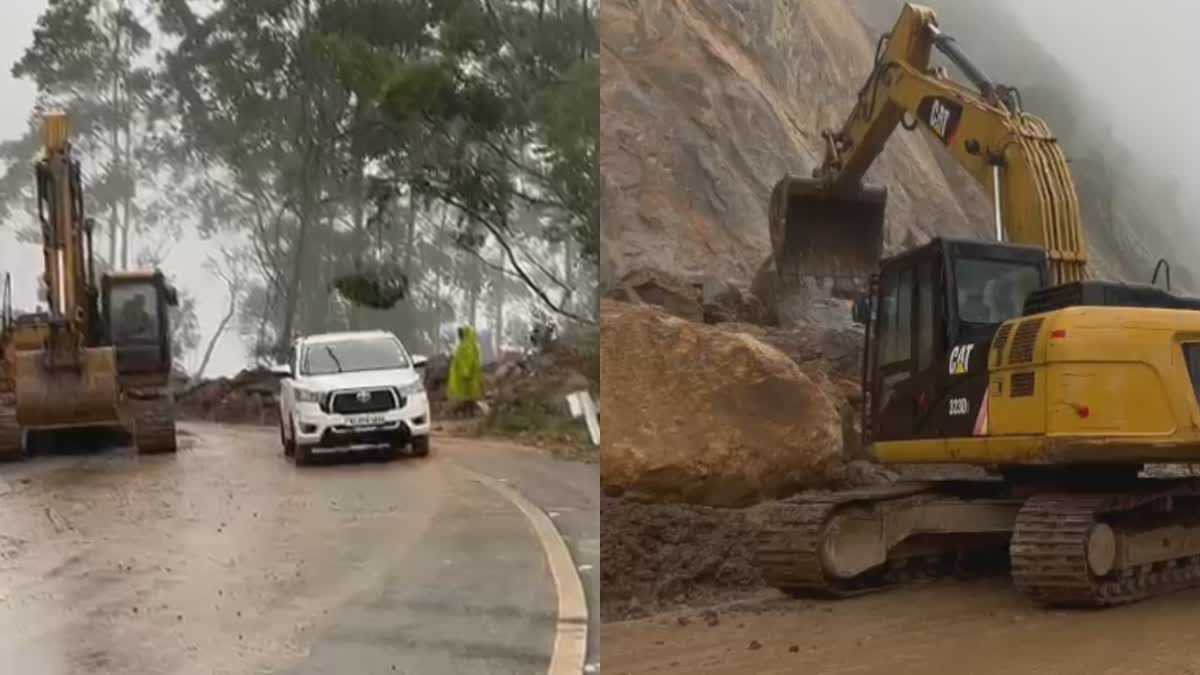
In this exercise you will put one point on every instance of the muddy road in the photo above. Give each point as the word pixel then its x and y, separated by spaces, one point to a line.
pixel 227 559
pixel 981 627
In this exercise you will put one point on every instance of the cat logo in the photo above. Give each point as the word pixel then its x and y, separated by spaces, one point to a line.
pixel 939 117
pixel 960 359
pixel 942 116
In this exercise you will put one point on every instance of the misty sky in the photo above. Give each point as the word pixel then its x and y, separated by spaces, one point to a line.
pixel 1137 67
pixel 185 261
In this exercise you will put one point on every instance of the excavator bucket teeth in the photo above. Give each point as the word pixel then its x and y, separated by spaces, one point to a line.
pixel 831 236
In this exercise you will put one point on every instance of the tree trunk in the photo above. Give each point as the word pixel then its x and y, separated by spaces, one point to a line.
pixel 473 302
pixel 308 185
pixel 127 200
pixel 568 300
pixel 292 292
pixel 114 225
pixel 359 197
pixel 498 298
pixel 410 236
pixel 212 341
pixel 127 174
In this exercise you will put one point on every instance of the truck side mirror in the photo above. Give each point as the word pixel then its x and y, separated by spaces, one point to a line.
pixel 420 361
pixel 861 311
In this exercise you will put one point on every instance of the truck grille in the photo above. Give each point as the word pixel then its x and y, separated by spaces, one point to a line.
pixel 377 400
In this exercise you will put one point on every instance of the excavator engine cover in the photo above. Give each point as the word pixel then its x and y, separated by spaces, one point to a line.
pixel 65 397
pixel 826 234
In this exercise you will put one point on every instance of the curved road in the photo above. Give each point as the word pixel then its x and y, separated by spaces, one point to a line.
pixel 227 559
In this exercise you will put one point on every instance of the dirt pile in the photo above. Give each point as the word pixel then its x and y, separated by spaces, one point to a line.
pixel 702 415
pixel 250 397
pixel 655 557
pixel 525 394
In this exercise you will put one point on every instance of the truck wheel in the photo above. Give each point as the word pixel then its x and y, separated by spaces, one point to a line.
pixel 302 455
pixel 420 446
pixel 289 444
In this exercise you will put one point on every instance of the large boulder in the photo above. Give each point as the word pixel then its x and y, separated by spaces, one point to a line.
pixel 698 414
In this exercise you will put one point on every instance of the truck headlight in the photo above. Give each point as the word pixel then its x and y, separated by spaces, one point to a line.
pixel 411 389
pixel 308 396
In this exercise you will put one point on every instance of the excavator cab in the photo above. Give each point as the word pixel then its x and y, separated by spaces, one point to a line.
pixel 136 307
pixel 932 317
pixel 826 236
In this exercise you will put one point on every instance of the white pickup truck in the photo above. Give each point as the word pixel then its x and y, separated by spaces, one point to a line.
pixel 345 392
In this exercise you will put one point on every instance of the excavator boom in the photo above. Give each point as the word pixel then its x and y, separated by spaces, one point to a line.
pixel 830 227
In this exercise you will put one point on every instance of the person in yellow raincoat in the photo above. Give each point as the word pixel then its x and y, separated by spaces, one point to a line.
pixel 465 387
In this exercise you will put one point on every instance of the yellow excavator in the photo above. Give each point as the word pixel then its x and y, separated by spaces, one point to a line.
pixel 998 354
pixel 100 355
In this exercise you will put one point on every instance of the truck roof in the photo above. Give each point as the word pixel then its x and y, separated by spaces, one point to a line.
pixel 345 335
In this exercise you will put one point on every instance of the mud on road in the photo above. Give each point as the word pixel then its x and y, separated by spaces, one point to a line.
pixel 978 627
pixel 227 559
pixel 657 557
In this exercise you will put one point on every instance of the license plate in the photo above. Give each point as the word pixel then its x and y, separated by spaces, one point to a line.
pixel 365 420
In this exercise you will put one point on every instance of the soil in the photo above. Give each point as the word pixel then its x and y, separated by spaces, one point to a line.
pixel 656 557
pixel 981 627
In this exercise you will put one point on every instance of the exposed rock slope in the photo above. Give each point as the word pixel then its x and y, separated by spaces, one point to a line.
pixel 706 103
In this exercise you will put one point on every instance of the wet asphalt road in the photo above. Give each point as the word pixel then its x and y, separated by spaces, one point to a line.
pixel 227 559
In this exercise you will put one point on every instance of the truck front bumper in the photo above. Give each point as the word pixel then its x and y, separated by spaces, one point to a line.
pixel 333 432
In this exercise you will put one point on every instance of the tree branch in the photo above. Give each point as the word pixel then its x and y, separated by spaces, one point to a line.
pixel 508 251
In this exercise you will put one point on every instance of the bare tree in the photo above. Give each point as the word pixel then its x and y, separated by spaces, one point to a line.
pixel 230 268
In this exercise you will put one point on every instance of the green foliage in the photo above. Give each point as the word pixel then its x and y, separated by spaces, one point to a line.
pixel 495 118
pixel 91 58
pixel 530 418
pixel 377 289
pixel 390 162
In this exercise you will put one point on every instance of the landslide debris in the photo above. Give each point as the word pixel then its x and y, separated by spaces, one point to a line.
pixel 701 415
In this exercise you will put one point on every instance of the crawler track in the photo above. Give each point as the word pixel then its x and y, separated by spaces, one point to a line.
pixel 12 444
pixel 12 448
pixel 154 426
pixel 788 554
pixel 1049 548
pixel 793 534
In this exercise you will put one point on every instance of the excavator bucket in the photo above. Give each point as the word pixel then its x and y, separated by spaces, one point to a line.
pixel 61 397
pixel 830 236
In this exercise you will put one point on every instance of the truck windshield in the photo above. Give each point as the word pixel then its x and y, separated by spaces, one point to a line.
pixel 354 355
pixel 994 291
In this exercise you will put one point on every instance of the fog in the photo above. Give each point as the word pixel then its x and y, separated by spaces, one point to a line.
pixel 1137 68
pixel 185 260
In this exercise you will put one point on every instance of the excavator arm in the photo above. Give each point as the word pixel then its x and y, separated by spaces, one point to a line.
pixel 831 225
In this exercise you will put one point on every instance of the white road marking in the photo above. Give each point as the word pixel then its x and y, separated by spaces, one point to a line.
pixel 570 637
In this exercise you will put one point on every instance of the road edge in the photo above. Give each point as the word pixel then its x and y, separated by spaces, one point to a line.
pixel 571 629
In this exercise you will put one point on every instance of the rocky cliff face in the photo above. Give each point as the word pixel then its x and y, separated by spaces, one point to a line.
pixel 706 103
